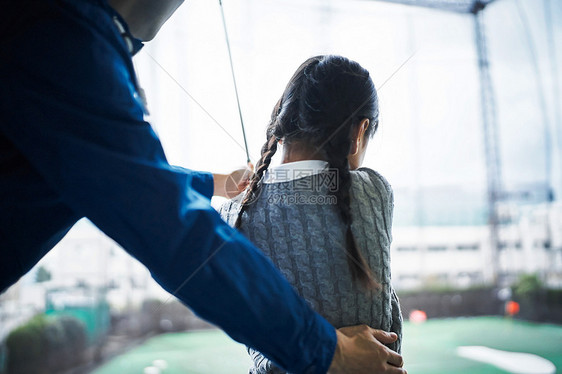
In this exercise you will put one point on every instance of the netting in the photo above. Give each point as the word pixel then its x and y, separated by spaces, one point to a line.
pixel 461 6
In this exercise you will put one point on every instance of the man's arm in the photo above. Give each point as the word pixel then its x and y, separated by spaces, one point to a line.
pixel 77 119
pixel 375 358
pixel 70 107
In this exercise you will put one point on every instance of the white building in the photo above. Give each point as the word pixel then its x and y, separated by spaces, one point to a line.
pixel 460 256
pixel 84 258
pixel 424 256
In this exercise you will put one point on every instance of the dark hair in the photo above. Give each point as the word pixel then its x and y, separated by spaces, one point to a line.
pixel 326 97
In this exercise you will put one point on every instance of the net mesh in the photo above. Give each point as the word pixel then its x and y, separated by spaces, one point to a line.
pixel 461 6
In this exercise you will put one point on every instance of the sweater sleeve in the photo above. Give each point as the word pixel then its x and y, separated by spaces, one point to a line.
pixel 383 202
pixel 396 322
pixel 387 197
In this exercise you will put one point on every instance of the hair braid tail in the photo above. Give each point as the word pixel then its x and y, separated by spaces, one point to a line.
pixel 358 266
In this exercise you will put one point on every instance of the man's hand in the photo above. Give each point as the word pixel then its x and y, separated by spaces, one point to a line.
pixel 360 350
pixel 231 185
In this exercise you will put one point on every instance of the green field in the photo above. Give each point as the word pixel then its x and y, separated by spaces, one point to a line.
pixel 428 348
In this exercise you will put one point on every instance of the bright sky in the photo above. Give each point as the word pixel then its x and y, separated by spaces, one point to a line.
pixel 430 132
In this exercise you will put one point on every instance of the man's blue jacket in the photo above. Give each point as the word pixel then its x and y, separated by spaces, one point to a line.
pixel 73 144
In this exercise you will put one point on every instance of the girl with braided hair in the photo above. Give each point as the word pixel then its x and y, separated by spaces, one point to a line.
pixel 322 220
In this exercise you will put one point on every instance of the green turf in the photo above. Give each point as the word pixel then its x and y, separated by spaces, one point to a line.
pixel 428 348
pixel 205 352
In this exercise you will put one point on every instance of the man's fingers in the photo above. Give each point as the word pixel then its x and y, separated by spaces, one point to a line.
pixel 383 336
pixel 237 181
pixel 380 335
pixel 395 370
pixel 351 331
pixel 395 359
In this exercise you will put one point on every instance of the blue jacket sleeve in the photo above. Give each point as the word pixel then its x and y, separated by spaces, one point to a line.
pixel 69 104
pixel 202 182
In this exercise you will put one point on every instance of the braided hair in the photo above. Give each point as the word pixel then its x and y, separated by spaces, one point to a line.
pixel 325 99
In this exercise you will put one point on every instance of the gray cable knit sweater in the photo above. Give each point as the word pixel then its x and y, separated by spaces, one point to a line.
pixel 297 225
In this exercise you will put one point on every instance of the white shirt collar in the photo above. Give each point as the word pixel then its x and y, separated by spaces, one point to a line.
pixel 294 170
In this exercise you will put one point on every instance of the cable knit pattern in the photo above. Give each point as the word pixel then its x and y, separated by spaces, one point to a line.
pixel 299 228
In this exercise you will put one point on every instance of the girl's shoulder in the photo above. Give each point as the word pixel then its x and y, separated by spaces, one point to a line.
pixel 370 179
pixel 372 197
